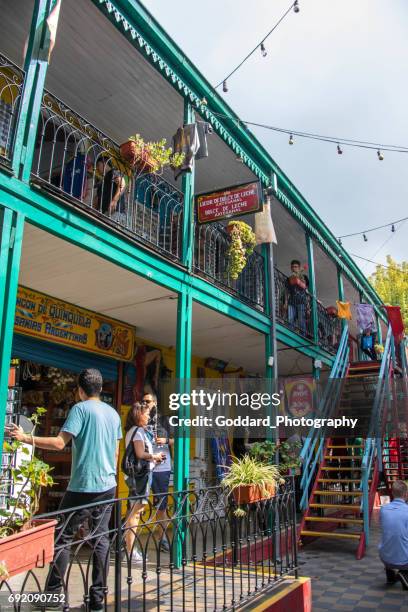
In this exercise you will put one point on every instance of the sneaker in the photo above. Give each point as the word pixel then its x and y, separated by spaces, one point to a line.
pixel 164 545
pixel 403 578
pixel 137 557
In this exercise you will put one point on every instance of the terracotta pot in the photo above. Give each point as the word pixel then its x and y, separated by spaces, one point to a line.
pixel 332 310
pixel 248 494
pixel 295 281
pixel 28 549
pixel 230 228
pixel 135 156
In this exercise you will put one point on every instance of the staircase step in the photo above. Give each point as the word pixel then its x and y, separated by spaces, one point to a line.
pixel 340 469
pixel 342 480
pixel 348 457
pixel 333 519
pixel 347 493
pixel 345 446
pixel 330 534
pixel 349 507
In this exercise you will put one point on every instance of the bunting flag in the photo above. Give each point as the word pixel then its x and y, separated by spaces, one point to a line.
pixel 366 317
pixel 343 310
pixel 395 319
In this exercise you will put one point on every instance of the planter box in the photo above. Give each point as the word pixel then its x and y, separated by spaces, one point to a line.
pixel 28 549
pixel 130 152
pixel 295 281
pixel 248 494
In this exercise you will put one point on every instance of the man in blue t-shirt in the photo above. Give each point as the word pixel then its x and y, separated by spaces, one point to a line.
pixel 393 547
pixel 95 430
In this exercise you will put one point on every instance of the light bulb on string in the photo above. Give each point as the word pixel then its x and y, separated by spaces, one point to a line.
pixel 296 7
pixel 224 87
pixel 291 141
pixel 340 242
pixel 393 228
pixel 339 150
pixel 365 238
pixel 380 155
pixel 263 50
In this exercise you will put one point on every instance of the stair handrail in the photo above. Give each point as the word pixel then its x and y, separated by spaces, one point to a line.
pixel 311 453
pixel 372 449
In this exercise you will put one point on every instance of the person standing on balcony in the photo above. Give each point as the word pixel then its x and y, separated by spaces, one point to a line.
pixel 110 196
pixel 393 547
pixel 297 296
pixel 95 430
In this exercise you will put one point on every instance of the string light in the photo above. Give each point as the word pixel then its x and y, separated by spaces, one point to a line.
pixel 291 141
pixel 339 149
pixel 365 238
pixel 296 7
pixel 263 50
pixel 393 228
pixel 380 155
pixel 224 86
pixel 392 224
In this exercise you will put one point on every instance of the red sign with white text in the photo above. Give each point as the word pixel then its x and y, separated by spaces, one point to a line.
pixel 231 202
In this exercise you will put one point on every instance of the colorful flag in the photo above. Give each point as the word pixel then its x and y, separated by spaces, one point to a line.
pixel 395 319
pixel 343 310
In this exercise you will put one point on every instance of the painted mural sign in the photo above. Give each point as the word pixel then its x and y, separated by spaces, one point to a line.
pixel 299 395
pixel 230 202
pixel 48 318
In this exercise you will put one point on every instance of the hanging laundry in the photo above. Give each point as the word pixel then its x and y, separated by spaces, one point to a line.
pixel 186 141
pixel 395 319
pixel 343 310
pixel 366 317
pixel 203 128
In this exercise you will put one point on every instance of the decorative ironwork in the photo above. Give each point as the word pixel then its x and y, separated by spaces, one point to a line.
pixel 210 259
pixel 11 85
pixel 206 552
pixel 76 159
pixel 328 329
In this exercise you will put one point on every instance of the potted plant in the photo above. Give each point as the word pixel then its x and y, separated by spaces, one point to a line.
pixel 242 245
pixel 332 311
pixel 289 461
pixel 263 451
pixel 149 156
pixel 249 480
pixel 26 542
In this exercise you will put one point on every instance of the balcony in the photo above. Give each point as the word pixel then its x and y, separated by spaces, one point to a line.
pixel 11 84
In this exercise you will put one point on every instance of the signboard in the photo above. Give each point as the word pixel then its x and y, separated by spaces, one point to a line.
pixel 230 202
pixel 49 318
pixel 299 395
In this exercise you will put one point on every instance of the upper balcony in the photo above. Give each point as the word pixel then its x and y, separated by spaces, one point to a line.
pixel 99 90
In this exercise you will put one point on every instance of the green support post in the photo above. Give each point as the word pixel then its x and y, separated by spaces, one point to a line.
pixel 35 68
pixel 188 193
pixel 340 285
pixel 11 237
pixel 312 287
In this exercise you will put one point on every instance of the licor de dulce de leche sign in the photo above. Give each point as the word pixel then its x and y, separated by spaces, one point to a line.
pixel 230 202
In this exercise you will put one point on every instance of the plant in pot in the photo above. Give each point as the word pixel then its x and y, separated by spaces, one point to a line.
pixel 298 279
pixel 249 480
pixel 150 156
pixel 242 245
pixel 26 542
pixel 264 452
pixel 289 460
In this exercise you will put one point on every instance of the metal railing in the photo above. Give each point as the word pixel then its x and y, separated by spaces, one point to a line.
pixel 293 305
pixel 373 445
pixel 328 329
pixel 11 86
pixel 211 260
pixel 312 451
pixel 226 558
pixel 75 159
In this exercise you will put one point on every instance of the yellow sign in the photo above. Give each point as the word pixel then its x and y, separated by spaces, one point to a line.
pixel 43 316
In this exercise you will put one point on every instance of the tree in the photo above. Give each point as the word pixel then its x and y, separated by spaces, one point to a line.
pixel 391 284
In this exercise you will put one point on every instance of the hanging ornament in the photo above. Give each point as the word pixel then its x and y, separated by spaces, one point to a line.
pixel 263 50
pixel 339 150
pixel 393 228
pixel 296 7
pixel 291 141
pixel 380 155
pixel 365 238
pixel 224 87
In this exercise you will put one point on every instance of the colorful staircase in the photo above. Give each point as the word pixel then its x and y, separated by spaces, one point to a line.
pixel 395 460
pixel 340 474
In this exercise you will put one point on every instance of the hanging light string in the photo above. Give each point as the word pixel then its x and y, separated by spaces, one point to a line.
pixel 261 45
pixel 392 224
pixel 376 263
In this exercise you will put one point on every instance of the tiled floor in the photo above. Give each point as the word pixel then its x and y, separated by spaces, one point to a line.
pixel 340 582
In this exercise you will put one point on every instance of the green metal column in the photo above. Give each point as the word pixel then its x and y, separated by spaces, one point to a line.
pixel 35 67
pixel 188 193
pixel 11 237
pixel 340 286
pixel 312 287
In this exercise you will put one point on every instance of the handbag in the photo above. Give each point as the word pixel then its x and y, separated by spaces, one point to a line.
pixel 131 465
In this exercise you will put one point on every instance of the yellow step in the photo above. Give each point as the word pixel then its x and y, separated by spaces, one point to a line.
pixel 349 507
pixel 334 519
pixel 342 480
pixel 349 493
pixel 330 534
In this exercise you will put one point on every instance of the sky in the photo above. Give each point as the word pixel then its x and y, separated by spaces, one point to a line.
pixel 337 68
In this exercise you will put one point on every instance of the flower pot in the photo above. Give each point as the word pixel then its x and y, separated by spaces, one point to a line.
pixel 248 494
pixel 135 156
pixel 295 281
pixel 29 548
pixel 332 310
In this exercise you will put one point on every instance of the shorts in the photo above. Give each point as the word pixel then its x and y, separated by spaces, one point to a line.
pixel 140 487
pixel 160 484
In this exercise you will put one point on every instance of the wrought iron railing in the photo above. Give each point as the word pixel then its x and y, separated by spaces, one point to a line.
pixel 328 329
pixel 80 162
pixel 203 556
pixel 211 260
pixel 293 305
pixel 11 86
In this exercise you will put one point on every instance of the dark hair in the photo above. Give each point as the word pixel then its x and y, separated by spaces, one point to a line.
pixel 90 381
pixel 152 394
pixel 105 160
pixel 295 262
pixel 399 489
pixel 134 413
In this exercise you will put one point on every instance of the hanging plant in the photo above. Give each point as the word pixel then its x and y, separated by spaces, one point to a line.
pixel 149 156
pixel 242 245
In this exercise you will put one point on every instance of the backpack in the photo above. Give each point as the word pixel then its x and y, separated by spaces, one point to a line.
pixel 131 465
